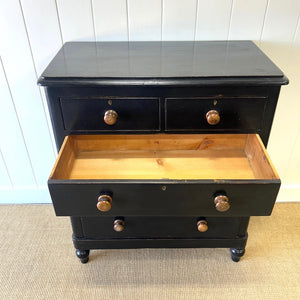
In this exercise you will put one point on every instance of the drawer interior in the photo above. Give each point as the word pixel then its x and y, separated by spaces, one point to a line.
pixel 163 156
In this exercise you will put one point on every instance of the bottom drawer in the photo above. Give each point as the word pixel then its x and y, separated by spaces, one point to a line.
pixel 159 227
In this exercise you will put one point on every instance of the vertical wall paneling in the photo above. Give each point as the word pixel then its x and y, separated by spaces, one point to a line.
pixel 21 75
pixel 292 173
pixel 247 19
pixel 76 20
pixel 144 19
pixel 43 30
pixel 110 18
pixel 213 18
pixel 179 19
pixel 21 195
pixel 279 30
pixel 32 31
pixel 12 145
pixel 4 176
pixel 281 20
pixel 277 42
pixel 45 39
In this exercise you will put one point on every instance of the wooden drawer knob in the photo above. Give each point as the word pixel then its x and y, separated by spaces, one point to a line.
pixel 213 117
pixel 110 117
pixel 119 225
pixel 104 203
pixel 202 225
pixel 222 203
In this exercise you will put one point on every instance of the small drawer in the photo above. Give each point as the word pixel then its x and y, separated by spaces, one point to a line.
pixel 110 114
pixel 163 175
pixel 159 227
pixel 219 114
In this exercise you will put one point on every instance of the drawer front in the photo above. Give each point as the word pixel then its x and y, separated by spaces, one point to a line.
pixel 236 114
pixel 159 227
pixel 178 198
pixel 163 175
pixel 132 114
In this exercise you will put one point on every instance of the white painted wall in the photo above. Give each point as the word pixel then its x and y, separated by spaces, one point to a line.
pixel 32 31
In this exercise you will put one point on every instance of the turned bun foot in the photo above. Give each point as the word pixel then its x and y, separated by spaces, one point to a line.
pixel 83 255
pixel 237 253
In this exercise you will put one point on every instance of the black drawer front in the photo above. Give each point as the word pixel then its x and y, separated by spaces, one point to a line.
pixel 236 114
pixel 159 227
pixel 159 199
pixel 133 114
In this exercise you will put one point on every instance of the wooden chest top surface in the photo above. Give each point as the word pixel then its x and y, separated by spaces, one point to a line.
pixel 162 63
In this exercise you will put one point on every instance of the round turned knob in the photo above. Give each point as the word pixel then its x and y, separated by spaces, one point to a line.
pixel 110 117
pixel 202 225
pixel 104 203
pixel 213 117
pixel 119 225
pixel 222 203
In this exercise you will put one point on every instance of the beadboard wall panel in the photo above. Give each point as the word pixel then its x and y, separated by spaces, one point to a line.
pixel 279 30
pixel 110 18
pixel 12 144
pixel 144 20
pixel 4 177
pixel 32 31
pixel 76 20
pixel 43 29
pixel 281 21
pixel 216 28
pixel 247 19
pixel 21 76
pixel 45 39
pixel 291 175
pixel 179 20
pixel 278 41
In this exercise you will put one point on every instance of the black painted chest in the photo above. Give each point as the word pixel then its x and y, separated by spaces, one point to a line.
pixel 162 144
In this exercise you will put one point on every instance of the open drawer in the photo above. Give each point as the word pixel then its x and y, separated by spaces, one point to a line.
pixel 163 175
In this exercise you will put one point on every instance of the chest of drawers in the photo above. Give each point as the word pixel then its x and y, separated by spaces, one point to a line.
pixel 162 144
